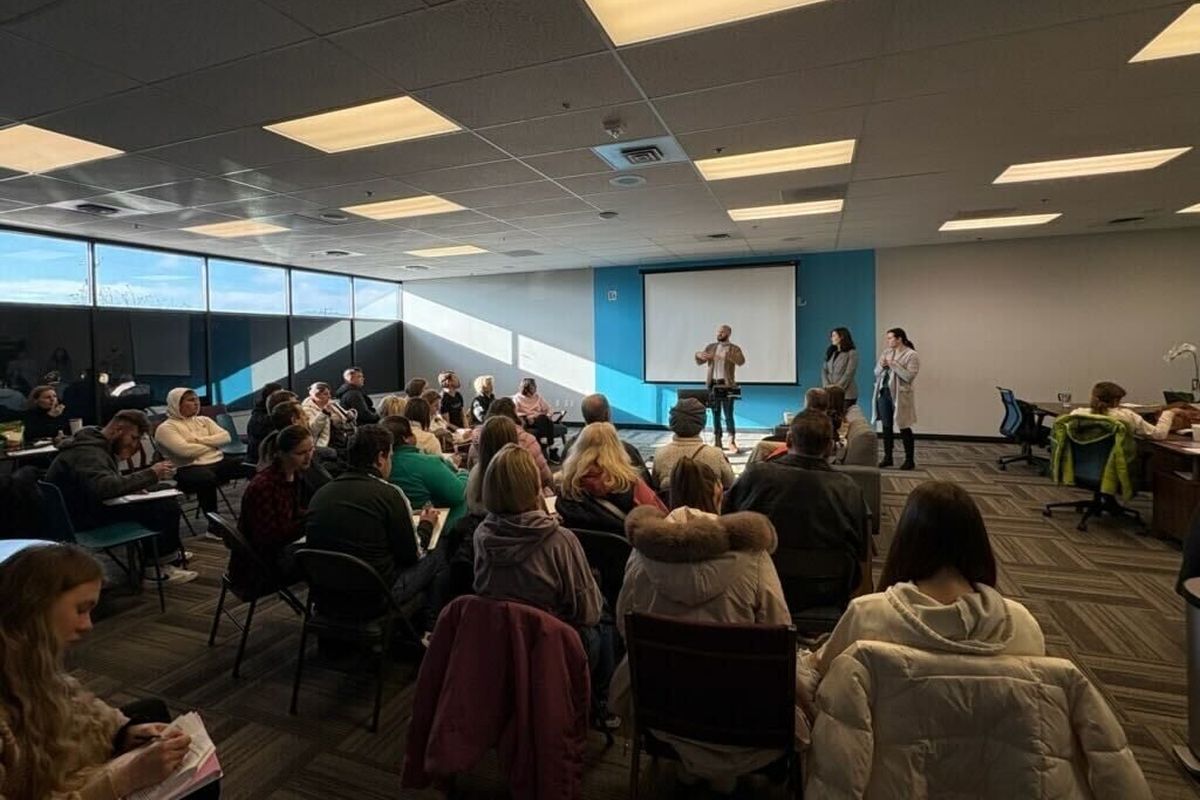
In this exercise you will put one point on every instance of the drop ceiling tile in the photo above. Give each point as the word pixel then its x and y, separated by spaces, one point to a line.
pixel 310 173
pixel 125 172
pixel 553 221
pixel 138 119
pixel 471 38
pixel 809 184
pixel 574 130
pixel 283 84
pixel 656 176
pixel 451 223
pixel 40 190
pixel 478 176
pixel 48 80
pixel 508 195
pixel 112 228
pixel 324 17
pixel 572 162
pixel 45 218
pixel 421 155
pixel 822 126
pixel 573 85
pixel 522 211
pixel 152 41
pixel 268 206
pixel 182 219
pixel 373 191
pixel 202 191
pixel 239 150
pixel 786 42
pixel 10 205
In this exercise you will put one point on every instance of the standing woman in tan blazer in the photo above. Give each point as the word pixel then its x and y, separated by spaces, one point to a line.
pixel 723 357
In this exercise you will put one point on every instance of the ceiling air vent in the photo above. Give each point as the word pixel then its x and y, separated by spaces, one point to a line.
pixel 1126 220
pixel 639 156
pixel 642 153
pixel 718 236
pixel 95 209
pixel 335 253
pixel 521 253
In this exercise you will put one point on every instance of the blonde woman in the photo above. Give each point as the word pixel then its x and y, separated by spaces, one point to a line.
pixel 599 485
pixel 485 393
pixel 393 406
pixel 56 739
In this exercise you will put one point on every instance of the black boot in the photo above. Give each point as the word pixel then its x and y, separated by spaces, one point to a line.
pixel 889 444
pixel 906 435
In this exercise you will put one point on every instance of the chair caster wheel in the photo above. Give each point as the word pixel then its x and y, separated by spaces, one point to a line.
pixel 1046 513
pixel 1003 467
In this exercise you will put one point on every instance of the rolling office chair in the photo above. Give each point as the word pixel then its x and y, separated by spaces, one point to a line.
pixel 1022 423
pixel 1087 446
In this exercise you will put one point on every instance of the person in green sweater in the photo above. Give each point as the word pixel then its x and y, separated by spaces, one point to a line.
pixel 425 478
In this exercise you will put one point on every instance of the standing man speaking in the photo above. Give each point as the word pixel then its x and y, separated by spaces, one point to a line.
pixel 722 358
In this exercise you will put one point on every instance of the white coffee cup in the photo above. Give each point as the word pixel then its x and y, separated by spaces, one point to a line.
pixel 75 423
pixel 788 416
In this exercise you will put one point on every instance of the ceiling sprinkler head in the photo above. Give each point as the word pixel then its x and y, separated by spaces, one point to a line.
pixel 614 128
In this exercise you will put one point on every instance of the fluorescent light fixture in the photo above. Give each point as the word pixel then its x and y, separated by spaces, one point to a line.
pixel 786 210
pixel 1011 221
pixel 420 206
pixel 1091 165
pixel 1180 38
pixel 439 252
pixel 1190 210
pixel 395 120
pixel 630 21
pixel 788 159
pixel 235 228
pixel 26 148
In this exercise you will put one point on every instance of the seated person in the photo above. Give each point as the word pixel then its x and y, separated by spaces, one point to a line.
pixel 425 478
pixel 313 476
pixel 856 444
pixel 1106 401
pixel 595 408
pixel 523 553
pixel 273 504
pixel 811 505
pixel 437 423
pixel 330 425
pixel 450 404
pixel 504 407
pixel 361 514
pixel 696 566
pixel 816 399
pixel 259 424
pixel 418 412
pixel 354 399
pixel 44 419
pixel 61 741
pixel 531 407
pixel 599 485
pixel 496 432
pixel 86 471
pixel 415 387
pixel 686 422
pixel 193 444
pixel 393 405
pixel 485 393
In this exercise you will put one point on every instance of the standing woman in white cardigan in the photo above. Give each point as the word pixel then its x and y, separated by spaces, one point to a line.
pixel 895 401
pixel 841 364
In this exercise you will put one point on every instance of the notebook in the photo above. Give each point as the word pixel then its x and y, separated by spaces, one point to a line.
pixel 437 526
pixel 200 766
pixel 142 497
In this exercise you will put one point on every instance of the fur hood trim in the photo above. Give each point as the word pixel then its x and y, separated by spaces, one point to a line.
pixel 700 538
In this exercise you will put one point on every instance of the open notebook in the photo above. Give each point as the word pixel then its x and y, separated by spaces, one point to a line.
pixel 199 768
pixel 437 526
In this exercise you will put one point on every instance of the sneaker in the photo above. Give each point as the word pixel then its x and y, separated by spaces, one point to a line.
pixel 172 575
pixel 908 465
pixel 209 536
pixel 426 638
pixel 733 449
pixel 174 558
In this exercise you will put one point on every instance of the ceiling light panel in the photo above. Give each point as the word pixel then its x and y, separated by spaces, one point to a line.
pixel 421 206
pixel 236 228
pixel 1180 38
pixel 441 252
pixel 397 120
pixel 1091 165
pixel 1010 221
pixel 631 21
pixel 1190 209
pixel 26 148
pixel 786 210
pixel 787 159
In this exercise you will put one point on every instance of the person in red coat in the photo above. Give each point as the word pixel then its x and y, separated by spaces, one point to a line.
pixel 272 515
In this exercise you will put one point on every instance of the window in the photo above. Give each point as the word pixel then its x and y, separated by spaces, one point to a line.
pixel 143 355
pixel 377 352
pixel 320 351
pixel 44 270
pixel 246 353
pixel 47 346
pixel 135 278
pixel 319 294
pixel 246 288
pixel 376 299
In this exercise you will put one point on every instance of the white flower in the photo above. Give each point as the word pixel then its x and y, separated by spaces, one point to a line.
pixel 1178 350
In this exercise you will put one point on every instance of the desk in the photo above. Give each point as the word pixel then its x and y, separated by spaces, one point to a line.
pixel 1174 467
pixel 10 547
pixel 1055 408
pixel 29 452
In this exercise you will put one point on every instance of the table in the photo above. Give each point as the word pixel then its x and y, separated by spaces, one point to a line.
pixel 10 547
pixel 29 452
pixel 1056 408
pixel 1174 467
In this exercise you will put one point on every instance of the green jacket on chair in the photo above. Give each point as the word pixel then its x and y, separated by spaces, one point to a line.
pixel 1086 429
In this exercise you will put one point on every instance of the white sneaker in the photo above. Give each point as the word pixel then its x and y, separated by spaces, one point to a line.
pixel 171 575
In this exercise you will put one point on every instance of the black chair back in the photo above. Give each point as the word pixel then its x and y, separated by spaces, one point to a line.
pixel 681 673
pixel 54 510
pixel 342 582
pixel 607 554
pixel 817 577
pixel 1011 423
pixel 264 576
pixel 1178 397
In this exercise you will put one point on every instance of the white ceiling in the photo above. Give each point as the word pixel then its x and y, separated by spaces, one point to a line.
pixel 941 97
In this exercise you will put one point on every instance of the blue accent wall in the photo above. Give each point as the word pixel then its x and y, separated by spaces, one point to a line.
pixel 835 288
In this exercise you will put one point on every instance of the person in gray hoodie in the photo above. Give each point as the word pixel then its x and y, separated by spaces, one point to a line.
pixel 86 472
pixel 522 553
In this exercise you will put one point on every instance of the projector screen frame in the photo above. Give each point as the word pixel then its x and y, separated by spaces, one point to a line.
pixel 793 263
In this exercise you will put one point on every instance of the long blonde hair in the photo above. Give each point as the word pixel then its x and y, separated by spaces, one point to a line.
pixel 34 687
pixel 512 484
pixel 392 406
pixel 598 450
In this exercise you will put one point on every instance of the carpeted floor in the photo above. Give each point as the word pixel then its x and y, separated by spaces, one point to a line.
pixel 1104 598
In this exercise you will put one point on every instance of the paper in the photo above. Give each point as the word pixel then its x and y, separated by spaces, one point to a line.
pixel 32 451
pixel 551 502
pixel 437 526
pixel 199 767
pixel 141 497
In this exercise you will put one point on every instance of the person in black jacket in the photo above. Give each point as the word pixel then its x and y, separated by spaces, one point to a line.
pixel 45 417
pixel 259 424
pixel 352 397
pixel 812 506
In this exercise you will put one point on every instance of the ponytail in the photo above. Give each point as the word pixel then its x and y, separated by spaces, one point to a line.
pixel 277 443
pixel 902 336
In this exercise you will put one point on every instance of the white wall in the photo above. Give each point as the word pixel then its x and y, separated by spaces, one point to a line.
pixel 533 323
pixel 1041 316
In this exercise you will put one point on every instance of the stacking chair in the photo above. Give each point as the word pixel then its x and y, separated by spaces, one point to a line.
pixel 1023 424
pixel 236 446
pixel 681 674
pixel 104 539
pixel 1089 460
pixel 344 576
pixel 266 582
pixel 817 585
pixel 607 554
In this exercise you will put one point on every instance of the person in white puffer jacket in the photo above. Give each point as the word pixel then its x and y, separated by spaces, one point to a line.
pixel 193 444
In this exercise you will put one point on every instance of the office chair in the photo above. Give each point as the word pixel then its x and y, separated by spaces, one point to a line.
pixel 1022 423
pixel 1091 442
